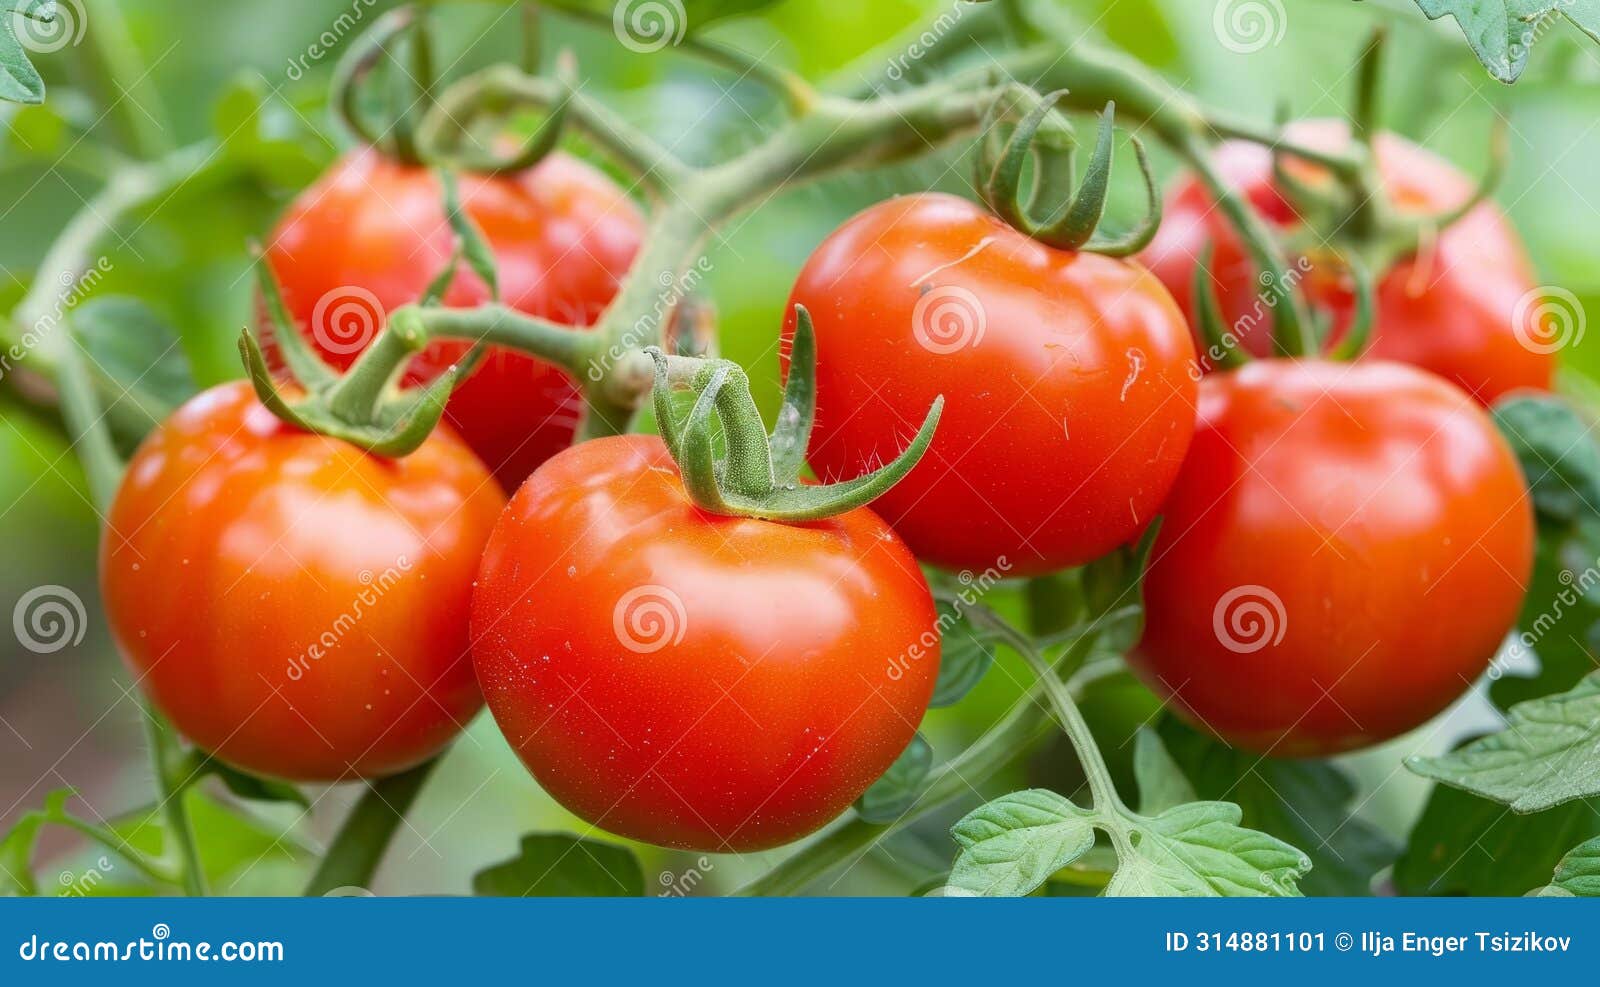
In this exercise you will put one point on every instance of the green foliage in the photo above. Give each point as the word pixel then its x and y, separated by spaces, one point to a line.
pixel 1559 458
pixel 19 80
pixel 1162 784
pixel 897 790
pixel 1464 844
pixel 1502 32
pixel 1013 844
pixel 965 654
pixel 1578 873
pixel 1200 850
pixel 1304 802
pixel 1548 754
pixel 134 354
pixel 563 865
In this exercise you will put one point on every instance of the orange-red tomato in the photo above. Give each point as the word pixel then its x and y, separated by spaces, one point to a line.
pixel 296 606
pixel 1344 551
pixel 372 234
pixel 694 680
pixel 1069 383
pixel 1465 307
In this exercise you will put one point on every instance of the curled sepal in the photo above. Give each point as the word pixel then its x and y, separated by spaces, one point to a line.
pixel 1053 212
pixel 470 240
pixel 1223 347
pixel 303 361
pixel 366 407
pixel 743 483
pixel 1359 334
pixel 792 433
pixel 358 61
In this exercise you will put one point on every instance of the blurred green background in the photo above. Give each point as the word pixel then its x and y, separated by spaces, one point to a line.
pixel 66 718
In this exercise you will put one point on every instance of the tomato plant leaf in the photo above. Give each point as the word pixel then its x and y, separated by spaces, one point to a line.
pixel 263 135
pixel 1162 785
pixel 1559 458
pixel 965 654
pixel 563 865
pixel 1013 844
pixel 1578 873
pixel 1464 844
pixel 234 845
pixel 1304 802
pixel 16 848
pixel 135 352
pixel 1502 32
pixel 1549 753
pixel 250 786
pixel 19 80
pixel 1199 850
pixel 1560 618
pixel 898 788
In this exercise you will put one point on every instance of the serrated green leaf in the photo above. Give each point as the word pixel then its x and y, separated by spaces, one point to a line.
pixel 1013 844
pixel 1578 873
pixel 1464 844
pixel 1162 785
pixel 1303 802
pixel 965 655
pixel 1558 454
pixel 897 790
pixel 563 865
pixel 1502 32
pixel 1549 753
pixel 1199 850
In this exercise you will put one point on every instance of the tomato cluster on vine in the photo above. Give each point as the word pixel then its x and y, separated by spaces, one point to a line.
pixel 688 641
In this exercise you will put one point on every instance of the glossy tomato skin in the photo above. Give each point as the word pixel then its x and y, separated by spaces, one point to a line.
pixel 1069 383
pixel 1344 551
pixel 1463 308
pixel 714 683
pixel 372 234
pixel 294 605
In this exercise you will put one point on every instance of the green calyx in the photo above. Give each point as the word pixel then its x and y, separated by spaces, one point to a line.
pixel 1222 341
pixel 1053 211
pixel 366 406
pixel 759 476
pixel 1350 208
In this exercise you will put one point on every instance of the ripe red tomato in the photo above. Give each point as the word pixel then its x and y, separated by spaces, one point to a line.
pixel 691 680
pixel 1069 383
pixel 1464 307
pixel 1344 551
pixel 371 235
pixel 296 606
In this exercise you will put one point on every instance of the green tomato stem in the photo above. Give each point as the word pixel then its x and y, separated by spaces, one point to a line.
pixel 363 839
pixel 1101 787
pixel 191 875
pixel 91 439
